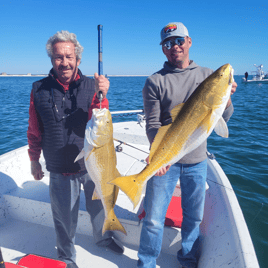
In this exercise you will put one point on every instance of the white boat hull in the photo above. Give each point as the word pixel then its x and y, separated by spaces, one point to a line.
pixel 264 81
pixel 24 204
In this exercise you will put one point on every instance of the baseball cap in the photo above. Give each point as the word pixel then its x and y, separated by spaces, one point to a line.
pixel 173 29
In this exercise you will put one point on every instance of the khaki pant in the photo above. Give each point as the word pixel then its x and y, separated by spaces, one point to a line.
pixel 65 200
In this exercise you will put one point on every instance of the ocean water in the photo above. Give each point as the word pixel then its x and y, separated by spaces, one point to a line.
pixel 243 156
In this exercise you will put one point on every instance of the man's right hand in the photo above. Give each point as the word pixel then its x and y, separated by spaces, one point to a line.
pixel 36 170
pixel 162 171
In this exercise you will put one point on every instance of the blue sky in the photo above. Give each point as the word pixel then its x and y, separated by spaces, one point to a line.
pixel 234 32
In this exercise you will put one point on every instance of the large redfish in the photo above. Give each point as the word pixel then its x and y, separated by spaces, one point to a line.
pixel 192 123
pixel 100 160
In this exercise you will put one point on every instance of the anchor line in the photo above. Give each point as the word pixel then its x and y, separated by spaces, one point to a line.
pixel 257 214
pixel 221 185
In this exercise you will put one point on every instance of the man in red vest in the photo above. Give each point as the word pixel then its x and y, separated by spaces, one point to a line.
pixel 60 107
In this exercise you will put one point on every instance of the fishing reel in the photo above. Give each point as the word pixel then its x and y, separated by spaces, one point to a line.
pixel 119 148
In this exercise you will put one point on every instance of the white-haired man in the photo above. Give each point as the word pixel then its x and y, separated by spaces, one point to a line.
pixel 60 107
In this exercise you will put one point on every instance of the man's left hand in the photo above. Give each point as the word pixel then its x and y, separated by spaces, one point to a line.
pixel 101 84
pixel 234 86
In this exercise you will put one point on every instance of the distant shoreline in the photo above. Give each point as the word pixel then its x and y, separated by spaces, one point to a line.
pixel 44 75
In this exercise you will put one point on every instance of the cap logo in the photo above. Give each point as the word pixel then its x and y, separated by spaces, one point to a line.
pixel 170 28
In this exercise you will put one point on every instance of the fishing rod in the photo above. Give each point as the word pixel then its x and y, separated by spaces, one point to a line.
pixel 120 149
pixel 100 64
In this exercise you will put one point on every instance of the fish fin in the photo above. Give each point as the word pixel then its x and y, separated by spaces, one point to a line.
pixel 221 128
pixel 92 151
pixel 111 223
pixel 163 130
pixel 95 195
pixel 80 155
pixel 131 186
pixel 116 191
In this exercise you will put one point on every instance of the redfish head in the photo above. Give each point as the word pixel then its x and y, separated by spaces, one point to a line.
pixel 99 129
pixel 218 87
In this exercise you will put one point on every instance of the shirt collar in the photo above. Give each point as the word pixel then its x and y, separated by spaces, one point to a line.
pixel 66 87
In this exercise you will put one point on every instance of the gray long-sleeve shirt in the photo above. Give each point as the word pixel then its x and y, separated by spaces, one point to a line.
pixel 167 88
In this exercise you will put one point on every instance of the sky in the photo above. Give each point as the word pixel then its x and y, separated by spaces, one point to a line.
pixel 234 32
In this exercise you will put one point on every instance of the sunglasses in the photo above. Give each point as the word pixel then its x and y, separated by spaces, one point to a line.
pixel 67 112
pixel 177 41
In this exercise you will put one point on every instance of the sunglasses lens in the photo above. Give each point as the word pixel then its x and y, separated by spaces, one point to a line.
pixel 180 41
pixel 168 44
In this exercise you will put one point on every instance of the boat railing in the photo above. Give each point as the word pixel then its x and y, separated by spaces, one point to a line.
pixel 126 113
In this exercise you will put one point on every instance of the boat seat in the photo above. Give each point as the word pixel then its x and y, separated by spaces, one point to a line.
pixel 174 213
pixel 34 261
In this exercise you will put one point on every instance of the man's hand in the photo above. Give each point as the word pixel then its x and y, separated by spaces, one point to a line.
pixel 162 171
pixel 234 86
pixel 36 170
pixel 101 84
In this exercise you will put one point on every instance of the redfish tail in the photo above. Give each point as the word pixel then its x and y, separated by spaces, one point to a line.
pixel 111 223
pixel 131 186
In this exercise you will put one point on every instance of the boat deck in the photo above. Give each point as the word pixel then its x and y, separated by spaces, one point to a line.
pixel 18 238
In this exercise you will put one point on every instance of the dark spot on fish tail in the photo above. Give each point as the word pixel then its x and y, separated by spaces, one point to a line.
pixel 134 180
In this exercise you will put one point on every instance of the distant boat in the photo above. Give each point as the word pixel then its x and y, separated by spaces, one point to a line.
pixel 258 77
